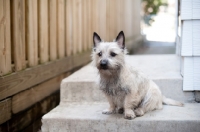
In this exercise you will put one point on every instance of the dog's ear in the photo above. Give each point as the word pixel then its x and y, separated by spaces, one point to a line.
pixel 121 40
pixel 96 39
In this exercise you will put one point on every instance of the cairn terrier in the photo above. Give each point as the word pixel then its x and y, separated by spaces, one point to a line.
pixel 127 90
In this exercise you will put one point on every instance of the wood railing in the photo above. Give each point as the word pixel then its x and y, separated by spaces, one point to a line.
pixel 43 41
pixel 33 32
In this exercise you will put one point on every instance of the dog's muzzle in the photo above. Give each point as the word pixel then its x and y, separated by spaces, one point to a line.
pixel 104 64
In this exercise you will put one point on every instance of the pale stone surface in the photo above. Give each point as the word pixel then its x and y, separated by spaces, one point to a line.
pixel 88 117
pixel 157 66
pixel 82 102
pixel 163 69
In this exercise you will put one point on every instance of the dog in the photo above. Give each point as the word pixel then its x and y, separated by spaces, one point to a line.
pixel 127 90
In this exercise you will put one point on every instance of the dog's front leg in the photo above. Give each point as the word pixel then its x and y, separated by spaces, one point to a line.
pixel 112 107
pixel 129 104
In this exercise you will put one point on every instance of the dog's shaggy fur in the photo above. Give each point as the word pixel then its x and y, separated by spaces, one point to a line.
pixel 126 89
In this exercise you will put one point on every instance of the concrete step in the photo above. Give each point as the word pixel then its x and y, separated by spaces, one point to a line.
pixel 88 117
pixel 155 47
pixel 164 70
pixel 82 102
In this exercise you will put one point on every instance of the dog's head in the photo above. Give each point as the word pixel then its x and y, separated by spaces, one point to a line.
pixel 108 57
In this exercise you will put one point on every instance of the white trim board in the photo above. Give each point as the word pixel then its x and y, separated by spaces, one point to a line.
pixel 190 38
pixel 178 45
pixel 191 73
pixel 190 9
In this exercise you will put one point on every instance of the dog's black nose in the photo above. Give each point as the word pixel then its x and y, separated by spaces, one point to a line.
pixel 104 64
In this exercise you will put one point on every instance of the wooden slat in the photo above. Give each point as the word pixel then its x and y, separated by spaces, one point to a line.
pixel 75 24
pixel 79 26
pixel 102 14
pixel 119 15
pixel 123 20
pixel 18 33
pixel 94 17
pixel 61 28
pixel 20 81
pixel 5 37
pixel 53 29
pixel 84 26
pixel 32 32
pixel 87 25
pixel 97 12
pixel 112 22
pixel 128 18
pixel 35 94
pixel 5 110
pixel 75 29
pixel 34 127
pixel 81 59
pixel 43 31
pixel 90 31
pixel 69 27
pixel 108 20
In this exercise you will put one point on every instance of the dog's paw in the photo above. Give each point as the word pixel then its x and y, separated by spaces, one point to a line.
pixel 107 112
pixel 129 114
pixel 139 112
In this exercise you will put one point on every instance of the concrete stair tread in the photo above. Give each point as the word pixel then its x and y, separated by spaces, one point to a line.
pixel 167 68
pixel 94 111
pixel 164 70
pixel 89 117
pixel 82 102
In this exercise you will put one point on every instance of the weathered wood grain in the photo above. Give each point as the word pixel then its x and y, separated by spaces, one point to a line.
pixel 30 96
pixel 34 127
pixel 84 25
pixel 69 27
pixel 94 17
pixel 81 59
pixel 61 28
pixel 5 38
pixel 5 110
pixel 43 31
pixel 19 81
pixel 32 32
pixel 113 21
pixel 97 12
pixel 90 30
pixel 75 23
pixel 18 33
pixel 102 14
pixel 24 119
pixel 87 30
pixel 53 29
pixel 108 20
pixel 79 26
pixel 128 17
pixel 119 15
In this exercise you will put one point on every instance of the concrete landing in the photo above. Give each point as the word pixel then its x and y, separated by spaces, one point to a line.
pixel 156 47
pixel 87 117
pixel 164 70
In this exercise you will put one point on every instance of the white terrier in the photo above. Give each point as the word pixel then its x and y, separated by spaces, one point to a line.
pixel 126 89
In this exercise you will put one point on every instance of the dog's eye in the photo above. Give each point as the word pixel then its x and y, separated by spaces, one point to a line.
pixel 100 54
pixel 113 54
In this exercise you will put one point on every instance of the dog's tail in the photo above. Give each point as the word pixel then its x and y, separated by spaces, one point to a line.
pixel 169 101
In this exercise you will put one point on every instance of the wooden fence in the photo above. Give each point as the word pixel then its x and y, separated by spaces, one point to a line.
pixel 41 40
pixel 33 32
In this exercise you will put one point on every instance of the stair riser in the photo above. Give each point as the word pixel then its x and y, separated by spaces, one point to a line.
pixel 89 91
pixel 173 88
pixel 78 125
